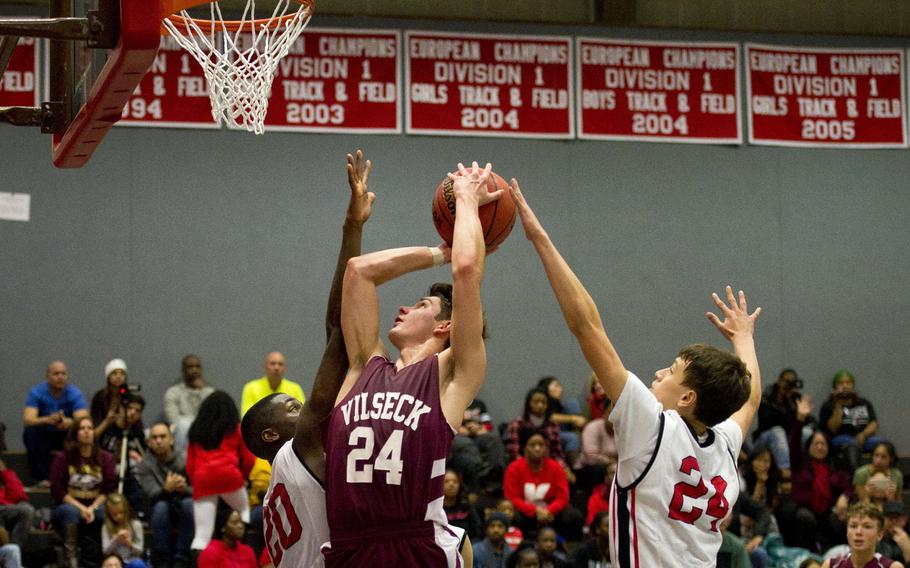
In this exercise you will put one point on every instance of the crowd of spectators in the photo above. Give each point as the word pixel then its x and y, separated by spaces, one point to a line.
pixel 533 491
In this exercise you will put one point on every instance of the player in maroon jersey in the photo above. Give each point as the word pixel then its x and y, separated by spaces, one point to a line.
pixel 394 419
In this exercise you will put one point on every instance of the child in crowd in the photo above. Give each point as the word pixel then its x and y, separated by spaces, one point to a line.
pixel 548 550
pixel 514 536
pixel 121 534
pixel 595 551
pixel 112 561
pixel 525 557
pixel 865 528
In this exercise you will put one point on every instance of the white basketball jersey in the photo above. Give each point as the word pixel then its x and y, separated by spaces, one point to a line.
pixel 672 489
pixel 293 513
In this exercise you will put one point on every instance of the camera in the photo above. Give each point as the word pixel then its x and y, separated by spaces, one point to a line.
pixel 128 392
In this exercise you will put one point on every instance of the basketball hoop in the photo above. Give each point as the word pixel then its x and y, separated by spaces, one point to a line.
pixel 240 57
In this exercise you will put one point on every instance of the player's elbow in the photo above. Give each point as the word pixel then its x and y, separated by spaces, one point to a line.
pixel 466 268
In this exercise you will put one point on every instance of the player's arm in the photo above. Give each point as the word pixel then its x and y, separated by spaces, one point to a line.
pixel 738 326
pixel 578 308
pixel 360 302
pixel 464 366
pixel 334 363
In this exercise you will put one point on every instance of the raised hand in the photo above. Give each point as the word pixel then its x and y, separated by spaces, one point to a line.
pixel 529 220
pixel 474 183
pixel 361 203
pixel 737 319
pixel 803 407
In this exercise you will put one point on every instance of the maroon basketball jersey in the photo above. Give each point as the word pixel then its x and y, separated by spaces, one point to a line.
pixel 386 445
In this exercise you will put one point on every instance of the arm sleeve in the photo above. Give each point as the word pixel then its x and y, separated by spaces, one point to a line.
pixel 825 414
pixel 560 489
pixel 138 538
pixel 636 421
pixel 209 557
pixel 109 474
pixel 871 408
pixel 512 489
pixel 171 407
pixel 59 478
pixel 145 475
pixel 78 400
pixel 590 442
pixel 15 491
pixel 732 433
pixel 32 400
pixel 107 540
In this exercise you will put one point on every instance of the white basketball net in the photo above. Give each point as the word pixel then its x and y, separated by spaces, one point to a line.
pixel 240 65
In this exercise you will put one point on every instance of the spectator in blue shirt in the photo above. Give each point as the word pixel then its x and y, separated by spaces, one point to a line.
pixel 49 411
pixel 493 551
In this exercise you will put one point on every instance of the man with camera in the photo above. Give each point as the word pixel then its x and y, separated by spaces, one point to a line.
pixel 782 407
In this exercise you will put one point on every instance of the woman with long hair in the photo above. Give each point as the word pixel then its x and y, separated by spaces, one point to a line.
pixel 884 460
pixel 217 464
pixel 106 403
pixel 815 517
pixel 567 413
pixel 82 475
pixel 535 416
pixel 458 511
pixel 762 477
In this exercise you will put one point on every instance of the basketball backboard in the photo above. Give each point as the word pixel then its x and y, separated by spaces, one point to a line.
pixel 98 51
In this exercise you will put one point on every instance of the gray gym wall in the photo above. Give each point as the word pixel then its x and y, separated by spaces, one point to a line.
pixel 223 244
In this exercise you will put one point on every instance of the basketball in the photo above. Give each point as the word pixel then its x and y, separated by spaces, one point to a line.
pixel 496 218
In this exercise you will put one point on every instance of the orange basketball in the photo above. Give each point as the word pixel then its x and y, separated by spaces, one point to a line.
pixel 497 218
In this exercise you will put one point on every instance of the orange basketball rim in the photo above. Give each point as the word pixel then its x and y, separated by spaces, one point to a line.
pixel 171 9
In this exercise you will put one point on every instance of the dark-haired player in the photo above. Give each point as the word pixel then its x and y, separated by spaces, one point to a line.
pixel 284 431
pixel 394 419
pixel 676 479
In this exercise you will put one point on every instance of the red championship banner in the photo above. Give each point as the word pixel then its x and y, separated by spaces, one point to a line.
pixel 330 81
pixel 173 93
pixel 19 83
pixel 339 81
pixel 826 97
pixel 489 85
pixel 658 91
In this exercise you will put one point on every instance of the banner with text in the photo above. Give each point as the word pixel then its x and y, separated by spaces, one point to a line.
pixel 339 81
pixel 489 85
pixel 658 91
pixel 826 97
pixel 19 83
pixel 173 93
pixel 330 81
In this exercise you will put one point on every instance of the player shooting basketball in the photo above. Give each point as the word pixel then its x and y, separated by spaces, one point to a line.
pixel 388 437
pixel 677 442
pixel 285 432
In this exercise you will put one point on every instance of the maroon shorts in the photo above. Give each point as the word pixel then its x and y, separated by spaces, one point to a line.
pixel 407 546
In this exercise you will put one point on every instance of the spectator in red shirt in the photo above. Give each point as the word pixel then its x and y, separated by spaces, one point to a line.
pixel 15 510
pixel 600 496
pixel 536 484
pixel 227 551
pixel 217 463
